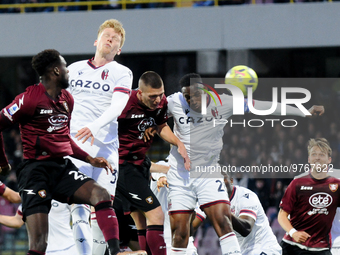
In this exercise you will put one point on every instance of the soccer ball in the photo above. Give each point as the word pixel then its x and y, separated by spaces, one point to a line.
pixel 242 77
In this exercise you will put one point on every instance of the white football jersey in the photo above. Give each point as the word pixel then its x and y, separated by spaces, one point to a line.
pixel 245 202
pixel 201 134
pixel 92 88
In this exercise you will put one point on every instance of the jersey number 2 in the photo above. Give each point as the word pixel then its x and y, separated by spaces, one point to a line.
pixel 220 187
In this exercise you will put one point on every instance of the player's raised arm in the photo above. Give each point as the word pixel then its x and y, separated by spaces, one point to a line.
pixel 167 135
pixel 118 102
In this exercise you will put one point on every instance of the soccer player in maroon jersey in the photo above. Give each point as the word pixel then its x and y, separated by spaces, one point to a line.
pixel 311 201
pixel 43 112
pixel 147 107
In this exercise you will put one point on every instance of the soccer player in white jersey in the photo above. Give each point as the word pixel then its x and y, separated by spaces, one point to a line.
pixel 60 236
pixel 158 186
pixel 100 88
pixel 249 220
pixel 203 142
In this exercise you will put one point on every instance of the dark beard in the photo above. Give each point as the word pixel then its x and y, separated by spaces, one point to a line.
pixel 64 84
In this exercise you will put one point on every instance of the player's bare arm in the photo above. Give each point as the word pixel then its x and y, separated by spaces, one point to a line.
pixel 243 224
pixel 298 236
pixel 157 168
pixel 167 135
pixel 12 221
pixel 11 195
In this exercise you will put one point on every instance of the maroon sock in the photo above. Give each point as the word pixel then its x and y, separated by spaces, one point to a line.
pixel 142 241
pixel 107 220
pixel 155 239
pixel 31 252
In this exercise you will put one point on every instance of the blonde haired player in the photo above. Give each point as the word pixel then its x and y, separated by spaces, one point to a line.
pixel 310 201
pixel 101 88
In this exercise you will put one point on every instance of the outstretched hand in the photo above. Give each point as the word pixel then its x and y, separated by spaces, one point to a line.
pixel 183 152
pixel 100 162
pixel 85 133
pixel 317 110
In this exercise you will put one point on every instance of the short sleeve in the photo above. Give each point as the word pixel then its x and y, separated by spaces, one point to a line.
pixel 289 198
pixel 170 105
pixel 249 205
pixel 20 108
pixel 124 84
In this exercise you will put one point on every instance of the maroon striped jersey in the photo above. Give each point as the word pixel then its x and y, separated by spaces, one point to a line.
pixel 312 205
pixel 134 120
pixel 43 122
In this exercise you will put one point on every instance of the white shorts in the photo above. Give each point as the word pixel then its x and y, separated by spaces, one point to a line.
pixel 184 193
pixel 107 151
pixel 335 251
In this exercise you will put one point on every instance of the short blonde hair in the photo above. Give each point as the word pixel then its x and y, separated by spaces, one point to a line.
pixel 116 25
pixel 323 145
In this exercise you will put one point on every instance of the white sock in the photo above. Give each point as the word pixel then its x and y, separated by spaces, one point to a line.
pixel 82 233
pixel 229 244
pixel 99 243
pixel 191 248
pixel 178 251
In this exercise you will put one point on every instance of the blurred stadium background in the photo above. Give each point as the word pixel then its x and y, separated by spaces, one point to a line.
pixel 277 38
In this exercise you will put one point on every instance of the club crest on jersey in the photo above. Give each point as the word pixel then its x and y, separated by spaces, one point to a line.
pixel 42 193
pixel 333 187
pixel 214 112
pixel 149 200
pixel 66 106
pixel 105 74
